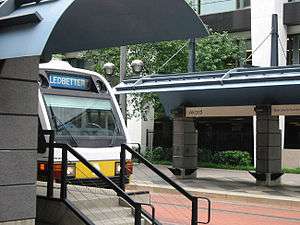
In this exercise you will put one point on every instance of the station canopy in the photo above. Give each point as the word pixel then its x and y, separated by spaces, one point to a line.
pixel 36 27
pixel 237 87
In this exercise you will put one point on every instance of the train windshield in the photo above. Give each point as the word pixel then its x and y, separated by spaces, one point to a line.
pixel 81 116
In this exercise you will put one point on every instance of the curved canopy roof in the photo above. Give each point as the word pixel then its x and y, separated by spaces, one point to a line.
pixel 237 87
pixel 53 26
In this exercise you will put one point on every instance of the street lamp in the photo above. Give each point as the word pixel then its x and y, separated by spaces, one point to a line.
pixel 137 66
pixel 109 68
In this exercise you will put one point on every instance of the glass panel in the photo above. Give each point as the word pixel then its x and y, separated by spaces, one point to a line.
pixel 216 6
pixel 240 4
pixel 246 3
pixel 78 116
pixel 292 132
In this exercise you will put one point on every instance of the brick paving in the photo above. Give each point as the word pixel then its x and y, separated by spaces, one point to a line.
pixel 225 212
pixel 173 209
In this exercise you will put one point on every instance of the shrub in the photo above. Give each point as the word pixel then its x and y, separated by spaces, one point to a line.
pixel 233 158
pixel 205 155
pixel 158 154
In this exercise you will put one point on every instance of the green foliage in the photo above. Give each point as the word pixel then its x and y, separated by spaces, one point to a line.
pixel 292 170
pixel 158 154
pixel 232 158
pixel 141 104
pixel 224 166
pixel 219 51
pixel 205 155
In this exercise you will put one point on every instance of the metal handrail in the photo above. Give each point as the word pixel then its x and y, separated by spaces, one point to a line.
pixel 152 218
pixel 193 199
pixel 63 190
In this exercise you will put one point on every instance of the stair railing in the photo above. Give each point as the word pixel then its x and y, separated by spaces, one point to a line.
pixel 193 199
pixel 65 148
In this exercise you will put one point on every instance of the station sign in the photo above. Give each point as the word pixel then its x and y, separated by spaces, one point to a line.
pixel 288 110
pixel 236 111
pixel 220 111
pixel 57 80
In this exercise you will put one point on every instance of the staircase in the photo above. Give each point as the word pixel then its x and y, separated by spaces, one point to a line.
pixel 100 206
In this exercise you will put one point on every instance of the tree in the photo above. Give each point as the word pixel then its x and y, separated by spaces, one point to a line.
pixel 218 51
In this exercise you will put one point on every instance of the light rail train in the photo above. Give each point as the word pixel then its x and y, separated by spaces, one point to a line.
pixel 79 105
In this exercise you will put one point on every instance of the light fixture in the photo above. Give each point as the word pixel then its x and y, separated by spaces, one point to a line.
pixel 137 66
pixel 109 68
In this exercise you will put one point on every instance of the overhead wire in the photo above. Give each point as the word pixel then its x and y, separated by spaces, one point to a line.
pixel 266 38
pixel 176 53
pixel 282 48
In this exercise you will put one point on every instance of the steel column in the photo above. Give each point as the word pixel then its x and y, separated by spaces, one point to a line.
pixel 122 168
pixel 274 40
pixel 50 174
pixel 64 168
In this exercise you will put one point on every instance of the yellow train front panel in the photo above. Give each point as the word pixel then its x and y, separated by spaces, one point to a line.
pixel 106 167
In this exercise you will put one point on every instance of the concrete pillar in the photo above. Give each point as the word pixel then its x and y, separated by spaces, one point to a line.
pixel 185 145
pixel 261 22
pixel 268 147
pixel 18 142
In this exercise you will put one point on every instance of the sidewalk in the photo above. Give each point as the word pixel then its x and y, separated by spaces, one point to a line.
pixel 225 184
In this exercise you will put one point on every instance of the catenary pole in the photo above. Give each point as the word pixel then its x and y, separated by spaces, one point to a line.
pixel 123 63
pixel 192 46
pixel 274 40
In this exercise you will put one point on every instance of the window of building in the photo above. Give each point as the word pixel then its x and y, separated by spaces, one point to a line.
pixel 216 6
pixel 292 132
pixel 248 52
pixel 293 49
pixel 240 4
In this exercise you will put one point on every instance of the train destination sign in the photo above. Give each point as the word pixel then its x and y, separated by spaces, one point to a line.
pixel 68 82
pixel 234 111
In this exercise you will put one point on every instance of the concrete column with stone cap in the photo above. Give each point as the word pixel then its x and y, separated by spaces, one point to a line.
pixel 268 147
pixel 185 145
pixel 18 142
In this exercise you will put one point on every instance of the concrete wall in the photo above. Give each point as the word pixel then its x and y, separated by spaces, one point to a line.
pixel 291 158
pixel 53 212
pixel 18 142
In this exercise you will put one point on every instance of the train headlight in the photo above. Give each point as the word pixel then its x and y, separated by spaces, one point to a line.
pixel 117 168
pixel 71 172
pixel 128 167
pixel 42 167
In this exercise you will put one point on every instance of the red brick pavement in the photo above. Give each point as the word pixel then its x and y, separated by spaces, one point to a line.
pixel 175 210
